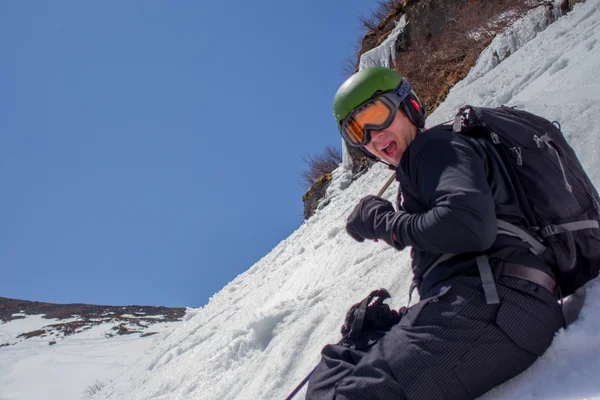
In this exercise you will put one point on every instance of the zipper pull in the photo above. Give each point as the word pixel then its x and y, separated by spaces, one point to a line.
pixel 495 138
pixel 517 151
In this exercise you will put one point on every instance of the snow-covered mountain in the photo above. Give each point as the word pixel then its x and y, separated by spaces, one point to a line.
pixel 65 351
pixel 263 332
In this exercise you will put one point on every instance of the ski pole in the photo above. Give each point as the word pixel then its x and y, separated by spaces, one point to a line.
pixel 305 380
pixel 301 385
pixel 387 185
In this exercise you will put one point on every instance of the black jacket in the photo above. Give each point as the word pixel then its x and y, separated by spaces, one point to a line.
pixel 454 190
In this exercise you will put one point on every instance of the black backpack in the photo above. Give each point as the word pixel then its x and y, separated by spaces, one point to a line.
pixel 560 204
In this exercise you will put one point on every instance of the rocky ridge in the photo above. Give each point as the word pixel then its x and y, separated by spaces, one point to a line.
pixel 70 319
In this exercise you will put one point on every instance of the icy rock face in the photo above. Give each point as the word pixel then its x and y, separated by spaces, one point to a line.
pixel 346 158
pixel 385 53
pixel 505 44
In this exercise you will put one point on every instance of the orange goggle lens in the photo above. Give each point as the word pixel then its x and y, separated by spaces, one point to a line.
pixel 375 113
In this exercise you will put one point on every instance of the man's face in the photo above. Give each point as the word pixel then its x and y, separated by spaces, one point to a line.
pixel 390 143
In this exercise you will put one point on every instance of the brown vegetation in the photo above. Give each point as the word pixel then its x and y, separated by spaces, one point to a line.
pixel 319 165
pixel 92 391
pixel 435 63
pixel 313 196
pixel 382 10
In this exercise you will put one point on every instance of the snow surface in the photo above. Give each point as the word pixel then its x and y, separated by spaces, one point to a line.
pixel 262 333
pixel 521 32
pixel 32 369
pixel 142 315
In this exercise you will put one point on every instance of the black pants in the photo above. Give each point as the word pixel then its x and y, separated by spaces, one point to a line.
pixel 451 345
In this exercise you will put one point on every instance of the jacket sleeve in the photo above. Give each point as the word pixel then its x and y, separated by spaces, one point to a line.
pixel 450 178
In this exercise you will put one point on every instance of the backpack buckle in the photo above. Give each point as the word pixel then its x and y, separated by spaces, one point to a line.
pixel 551 230
pixel 457 126
pixel 461 116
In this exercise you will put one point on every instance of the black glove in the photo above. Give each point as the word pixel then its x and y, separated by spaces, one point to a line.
pixel 367 320
pixel 374 218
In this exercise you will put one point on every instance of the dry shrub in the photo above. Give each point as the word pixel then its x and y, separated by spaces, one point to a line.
pixel 350 64
pixel 433 65
pixel 319 165
pixel 371 21
pixel 93 390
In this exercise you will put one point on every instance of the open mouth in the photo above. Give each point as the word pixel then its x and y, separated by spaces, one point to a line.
pixel 390 149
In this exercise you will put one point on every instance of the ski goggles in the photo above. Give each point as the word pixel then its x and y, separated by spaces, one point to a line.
pixel 374 114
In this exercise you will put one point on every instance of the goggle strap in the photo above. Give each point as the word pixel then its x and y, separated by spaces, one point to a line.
pixel 403 90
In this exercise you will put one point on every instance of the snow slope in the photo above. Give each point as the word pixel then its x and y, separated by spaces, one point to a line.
pixel 262 333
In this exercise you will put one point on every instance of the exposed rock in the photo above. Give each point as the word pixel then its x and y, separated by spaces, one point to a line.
pixel 312 197
pixel 314 194
pixel 361 161
pixel 29 335
pixel 428 18
pixel 122 329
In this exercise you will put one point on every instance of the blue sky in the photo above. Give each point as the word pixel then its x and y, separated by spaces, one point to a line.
pixel 149 151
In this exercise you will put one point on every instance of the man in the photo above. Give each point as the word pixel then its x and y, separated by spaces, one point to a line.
pixel 488 305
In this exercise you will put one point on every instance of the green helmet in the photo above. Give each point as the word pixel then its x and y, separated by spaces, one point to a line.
pixel 368 83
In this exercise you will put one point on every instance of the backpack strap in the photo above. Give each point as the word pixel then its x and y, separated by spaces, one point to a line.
pixel 536 246
pixel 485 272
pixel 567 262
pixel 548 141
pixel 550 230
pixel 487 280
pixel 483 264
